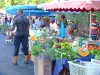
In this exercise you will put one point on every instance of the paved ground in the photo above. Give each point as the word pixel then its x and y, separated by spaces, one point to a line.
pixel 6 56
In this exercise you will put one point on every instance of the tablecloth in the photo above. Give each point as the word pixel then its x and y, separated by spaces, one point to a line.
pixel 60 62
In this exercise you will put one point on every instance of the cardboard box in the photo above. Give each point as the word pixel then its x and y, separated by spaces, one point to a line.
pixel 42 66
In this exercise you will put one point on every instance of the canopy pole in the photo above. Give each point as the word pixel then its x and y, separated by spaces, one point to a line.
pixel 29 12
pixel 90 27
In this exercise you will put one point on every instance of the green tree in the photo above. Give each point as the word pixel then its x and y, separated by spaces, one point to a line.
pixel 42 1
pixel 4 3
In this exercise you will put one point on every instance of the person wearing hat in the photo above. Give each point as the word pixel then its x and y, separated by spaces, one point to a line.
pixel 70 29
pixel 94 27
pixel 21 24
pixel 53 25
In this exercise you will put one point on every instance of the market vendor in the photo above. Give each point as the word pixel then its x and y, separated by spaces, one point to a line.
pixel 94 27
pixel 70 29
pixel 38 22
pixel 62 26
pixel 53 25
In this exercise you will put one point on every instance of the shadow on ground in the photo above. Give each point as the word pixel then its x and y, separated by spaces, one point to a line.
pixel 6 56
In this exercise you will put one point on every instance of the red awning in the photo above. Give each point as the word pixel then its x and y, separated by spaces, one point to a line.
pixel 93 5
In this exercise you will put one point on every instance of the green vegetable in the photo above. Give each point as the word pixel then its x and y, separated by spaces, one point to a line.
pixel 97 57
pixel 37 49
pixel 64 52
pixel 96 53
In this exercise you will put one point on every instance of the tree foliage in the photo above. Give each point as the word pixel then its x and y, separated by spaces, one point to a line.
pixel 4 3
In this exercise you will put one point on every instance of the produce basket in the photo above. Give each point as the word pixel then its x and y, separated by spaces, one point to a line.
pixel 95 61
pixel 84 68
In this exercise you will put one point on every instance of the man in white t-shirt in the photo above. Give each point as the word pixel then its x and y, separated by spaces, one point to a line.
pixel 38 22
pixel 53 25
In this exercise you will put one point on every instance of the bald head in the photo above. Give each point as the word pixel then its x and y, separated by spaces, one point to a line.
pixel 20 11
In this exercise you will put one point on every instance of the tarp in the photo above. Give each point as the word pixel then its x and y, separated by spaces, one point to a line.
pixel 24 7
pixel 60 62
pixel 80 5
pixel 32 13
pixel 28 10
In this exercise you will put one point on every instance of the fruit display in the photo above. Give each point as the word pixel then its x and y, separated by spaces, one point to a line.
pixel 93 47
pixel 83 53
pixel 57 48
pixel 94 50
pixel 33 38
pixel 61 50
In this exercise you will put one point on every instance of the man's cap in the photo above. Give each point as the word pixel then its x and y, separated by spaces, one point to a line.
pixel 52 19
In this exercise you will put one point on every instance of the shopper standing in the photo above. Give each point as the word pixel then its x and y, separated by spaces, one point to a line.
pixel 62 25
pixel 94 27
pixel 6 19
pixel 21 35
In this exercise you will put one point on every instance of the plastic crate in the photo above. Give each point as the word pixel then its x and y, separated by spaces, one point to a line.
pixel 85 68
pixel 95 61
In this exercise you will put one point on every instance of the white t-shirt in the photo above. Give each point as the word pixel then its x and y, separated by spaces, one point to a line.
pixel 38 22
pixel 53 27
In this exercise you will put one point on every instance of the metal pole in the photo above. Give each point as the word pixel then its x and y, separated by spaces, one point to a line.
pixel 29 12
pixel 90 27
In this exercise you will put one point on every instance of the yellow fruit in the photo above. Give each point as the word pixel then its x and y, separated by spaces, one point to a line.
pixel 82 53
pixel 33 38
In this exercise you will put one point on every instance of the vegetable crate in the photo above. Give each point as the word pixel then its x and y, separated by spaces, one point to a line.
pixel 84 68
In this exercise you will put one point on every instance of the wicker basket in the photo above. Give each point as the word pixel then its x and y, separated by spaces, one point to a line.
pixel 95 61
pixel 85 68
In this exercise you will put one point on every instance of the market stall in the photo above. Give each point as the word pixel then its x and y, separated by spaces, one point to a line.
pixel 45 45
pixel 83 6
pixel 47 48
pixel 50 48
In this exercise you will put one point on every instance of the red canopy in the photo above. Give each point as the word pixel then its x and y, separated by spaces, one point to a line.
pixel 93 5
